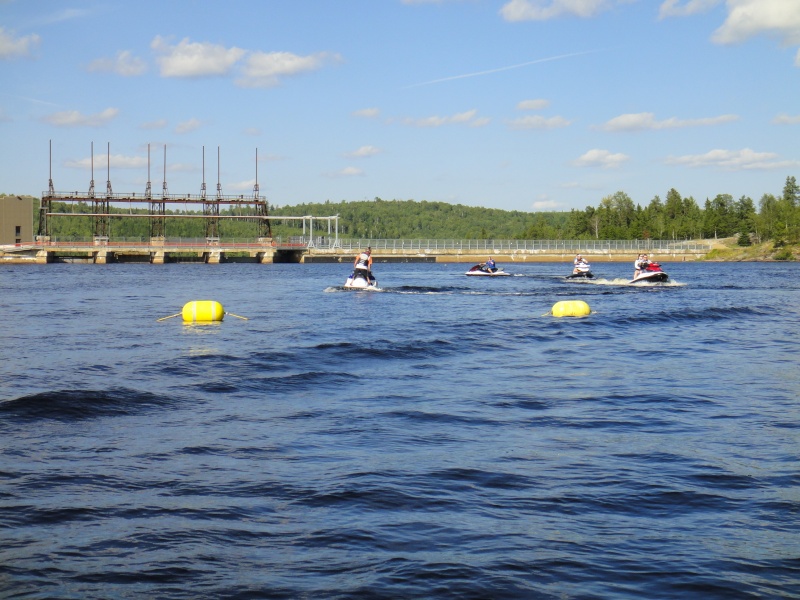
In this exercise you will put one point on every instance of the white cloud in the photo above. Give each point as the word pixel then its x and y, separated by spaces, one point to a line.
pixel 537 104
pixel 367 113
pixel 784 119
pixel 643 121
pixel 16 47
pixel 255 131
pixel 545 204
pixel 674 8
pixel 733 160
pixel 242 185
pixel 124 64
pixel 73 118
pixel 364 152
pixel 159 124
pixel 468 117
pixel 265 69
pixel 194 59
pixel 347 172
pixel 66 14
pixel 542 10
pixel 601 158
pixel 118 161
pixel 188 126
pixel 539 122
pixel 749 18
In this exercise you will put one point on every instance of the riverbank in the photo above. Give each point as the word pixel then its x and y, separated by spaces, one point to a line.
pixel 729 251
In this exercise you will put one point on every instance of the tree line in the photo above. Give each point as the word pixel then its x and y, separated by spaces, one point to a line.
pixel 774 217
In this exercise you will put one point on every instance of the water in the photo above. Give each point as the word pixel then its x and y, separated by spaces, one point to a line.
pixel 440 439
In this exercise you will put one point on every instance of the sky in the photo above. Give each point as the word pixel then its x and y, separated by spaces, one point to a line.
pixel 530 105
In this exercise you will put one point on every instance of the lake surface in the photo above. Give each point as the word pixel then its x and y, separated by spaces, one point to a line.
pixel 443 438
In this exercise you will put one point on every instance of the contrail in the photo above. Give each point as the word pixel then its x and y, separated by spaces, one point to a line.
pixel 525 64
pixel 34 100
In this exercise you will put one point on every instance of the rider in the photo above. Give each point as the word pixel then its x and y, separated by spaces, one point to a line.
pixel 490 265
pixel 363 263
pixel 579 262
pixel 639 265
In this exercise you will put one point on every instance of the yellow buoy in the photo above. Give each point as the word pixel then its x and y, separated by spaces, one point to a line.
pixel 202 311
pixel 571 308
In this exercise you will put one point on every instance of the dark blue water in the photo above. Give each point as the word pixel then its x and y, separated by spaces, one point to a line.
pixel 439 439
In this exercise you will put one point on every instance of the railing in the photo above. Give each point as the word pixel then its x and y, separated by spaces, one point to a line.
pixel 426 246
pixel 500 246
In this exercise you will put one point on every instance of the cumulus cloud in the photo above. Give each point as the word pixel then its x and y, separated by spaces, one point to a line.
pixel 749 18
pixel 644 121
pixel 265 69
pixel 539 122
pixel 784 119
pixel 537 104
pixel 118 161
pixel 469 118
pixel 363 152
pixel 542 10
pixel 685 8
pixel 124 64
pixel 16 47
pixel 188 126
pixel 73 118
pixel 367 113
pixel 194 59
pixel 734 160
pixel 601 158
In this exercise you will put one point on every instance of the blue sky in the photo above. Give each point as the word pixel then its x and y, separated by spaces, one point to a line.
pixel 512 104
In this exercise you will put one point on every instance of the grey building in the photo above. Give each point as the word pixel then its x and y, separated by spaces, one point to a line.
pixel 16 220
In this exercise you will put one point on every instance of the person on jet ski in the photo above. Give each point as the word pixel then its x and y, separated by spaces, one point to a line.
pixel 490 266
pixel 637 265
pixel 363 264
pixel 579 262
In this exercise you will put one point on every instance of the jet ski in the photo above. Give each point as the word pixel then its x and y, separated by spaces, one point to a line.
pixel 360 279
pixel 581 271
pixel 651 272
pixel 482 270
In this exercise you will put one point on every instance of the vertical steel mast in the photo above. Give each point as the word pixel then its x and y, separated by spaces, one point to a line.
pixel 158 205
pixel 262 209
pixel 100 206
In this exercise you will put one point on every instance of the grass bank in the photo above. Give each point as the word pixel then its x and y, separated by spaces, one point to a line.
pixel 729 250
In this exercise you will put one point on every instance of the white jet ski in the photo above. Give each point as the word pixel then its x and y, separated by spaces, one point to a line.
pixel 484 271
pixel 651 273
pixel 361 280
pixel 582 271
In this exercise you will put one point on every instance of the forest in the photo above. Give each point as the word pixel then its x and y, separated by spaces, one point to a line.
pixel 772 218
